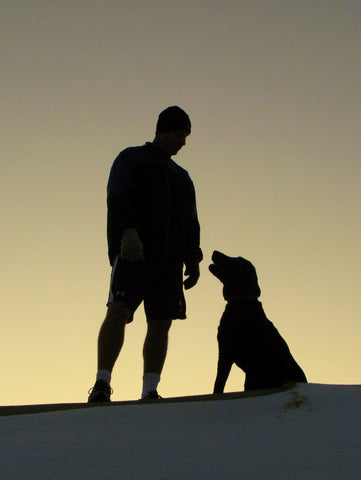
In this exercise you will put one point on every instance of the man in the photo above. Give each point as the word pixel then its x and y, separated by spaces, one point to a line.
pixel 153 231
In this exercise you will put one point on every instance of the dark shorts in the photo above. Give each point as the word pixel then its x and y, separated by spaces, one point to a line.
pixel 160 287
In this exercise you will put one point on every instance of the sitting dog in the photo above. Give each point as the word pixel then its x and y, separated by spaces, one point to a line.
pixel 245 335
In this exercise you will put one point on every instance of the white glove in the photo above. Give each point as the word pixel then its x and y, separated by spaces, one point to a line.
pixel 131 248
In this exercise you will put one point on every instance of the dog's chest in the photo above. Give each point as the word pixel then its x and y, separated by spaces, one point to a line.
pixel 242 320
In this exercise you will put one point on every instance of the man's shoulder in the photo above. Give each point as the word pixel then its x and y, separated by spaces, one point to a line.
pixel 132 152
pixel 147 154
pixel 178 169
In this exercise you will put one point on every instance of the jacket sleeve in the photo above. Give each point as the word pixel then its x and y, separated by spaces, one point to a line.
pixel 120 202
pixel 192 234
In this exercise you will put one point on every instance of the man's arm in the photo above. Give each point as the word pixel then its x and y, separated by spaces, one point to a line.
pixel 120 203
pixel 131 247
pixel 193 254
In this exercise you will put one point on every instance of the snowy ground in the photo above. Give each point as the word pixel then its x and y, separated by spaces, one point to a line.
pixel 311 433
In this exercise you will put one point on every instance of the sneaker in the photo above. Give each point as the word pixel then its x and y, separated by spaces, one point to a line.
pixel 100 392
pixel 153 395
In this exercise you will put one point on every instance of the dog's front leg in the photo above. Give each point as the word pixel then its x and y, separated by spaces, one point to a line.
pixel 224 366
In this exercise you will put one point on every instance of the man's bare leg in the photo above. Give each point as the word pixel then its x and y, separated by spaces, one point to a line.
pixel 154 353
pixel 111 335
pixel 110 342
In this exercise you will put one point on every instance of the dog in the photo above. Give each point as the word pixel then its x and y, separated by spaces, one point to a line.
pixel 245 335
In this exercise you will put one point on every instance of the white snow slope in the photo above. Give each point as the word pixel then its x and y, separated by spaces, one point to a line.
pixel 311 433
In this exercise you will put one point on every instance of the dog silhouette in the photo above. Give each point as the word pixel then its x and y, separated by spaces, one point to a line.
pixel 245 335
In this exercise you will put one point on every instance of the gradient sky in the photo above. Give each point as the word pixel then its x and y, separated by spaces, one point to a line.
pixel 273 92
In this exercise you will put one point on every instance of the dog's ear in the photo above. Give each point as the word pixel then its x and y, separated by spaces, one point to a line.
pixel 252 284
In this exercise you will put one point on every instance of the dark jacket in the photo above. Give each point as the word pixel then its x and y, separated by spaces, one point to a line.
pixel 147 190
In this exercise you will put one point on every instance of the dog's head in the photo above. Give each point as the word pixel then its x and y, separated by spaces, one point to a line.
pixel 237 274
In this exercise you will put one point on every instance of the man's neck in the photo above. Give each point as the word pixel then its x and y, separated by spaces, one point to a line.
pixel 159 149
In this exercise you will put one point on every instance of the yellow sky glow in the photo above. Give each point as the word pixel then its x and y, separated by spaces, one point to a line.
pixel 273 92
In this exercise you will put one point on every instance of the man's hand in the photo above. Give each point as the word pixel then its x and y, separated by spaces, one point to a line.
pixel 131 248
pixel 192 271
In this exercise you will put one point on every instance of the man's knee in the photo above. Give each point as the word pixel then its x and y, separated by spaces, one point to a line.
pixel 118 311
pixel 159 326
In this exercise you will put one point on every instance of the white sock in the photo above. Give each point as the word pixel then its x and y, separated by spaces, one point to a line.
pixel 104 375
pixel 150 383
